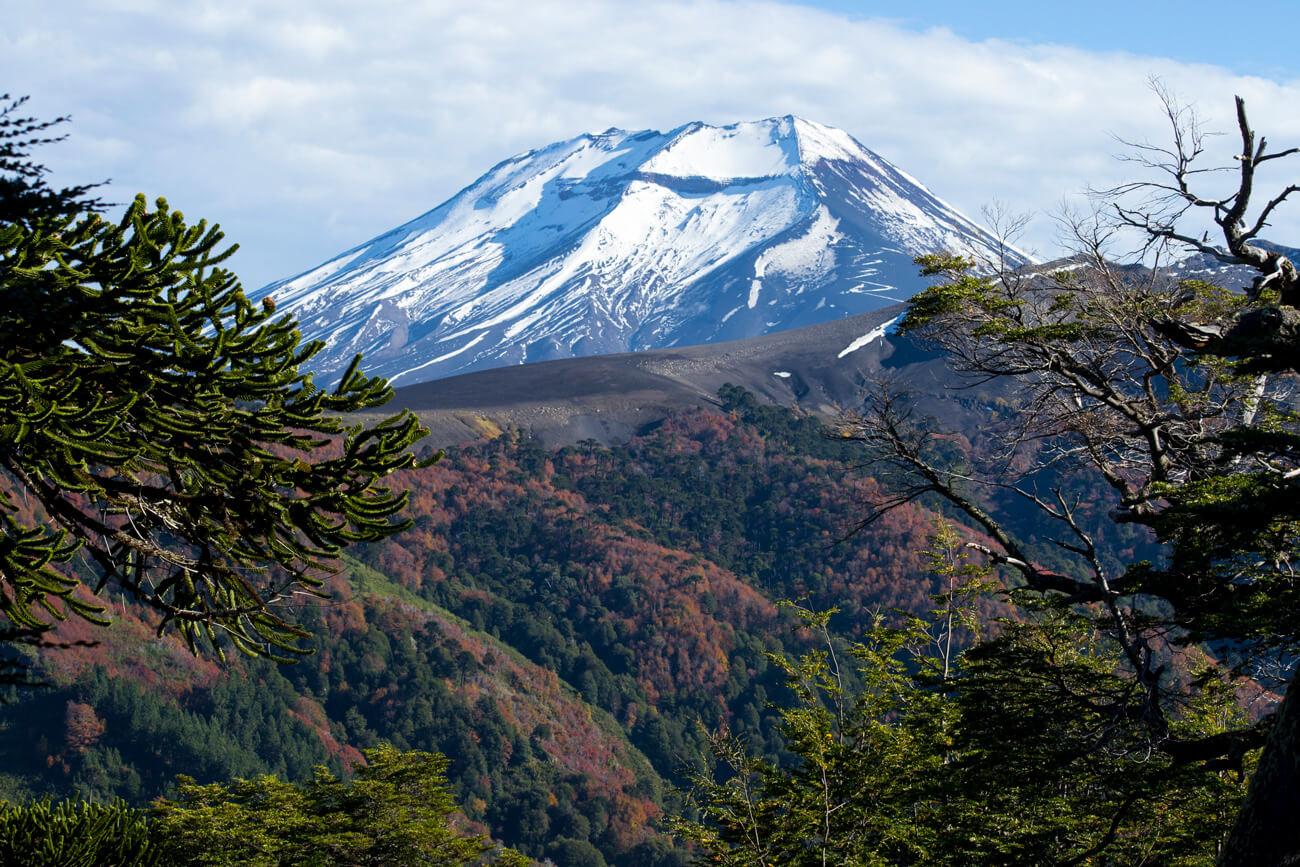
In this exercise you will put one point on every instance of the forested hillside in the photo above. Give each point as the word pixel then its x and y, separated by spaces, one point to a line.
pixel 565 626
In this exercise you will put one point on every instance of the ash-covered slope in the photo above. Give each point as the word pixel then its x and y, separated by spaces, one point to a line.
pixel 819 368
pixel 627 241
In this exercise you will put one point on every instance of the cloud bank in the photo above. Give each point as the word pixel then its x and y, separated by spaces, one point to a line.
pixel 308 127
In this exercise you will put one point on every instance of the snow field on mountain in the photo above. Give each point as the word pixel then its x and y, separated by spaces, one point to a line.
pixel 630 240
pixel 747 150
pixel 809 255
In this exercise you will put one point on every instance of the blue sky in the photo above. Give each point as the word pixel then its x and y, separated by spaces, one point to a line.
pixel 1191 31
pixel 306 127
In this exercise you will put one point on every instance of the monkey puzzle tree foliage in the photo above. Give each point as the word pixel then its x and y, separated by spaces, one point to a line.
pixel 156 422
pixel 24 193
pixel 76 833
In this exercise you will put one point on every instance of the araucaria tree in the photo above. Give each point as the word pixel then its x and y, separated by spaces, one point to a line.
pixel 1159 407
pixel 25 194
pixel 157 433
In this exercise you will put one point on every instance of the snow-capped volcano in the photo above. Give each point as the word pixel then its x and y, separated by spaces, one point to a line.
pixel 631 240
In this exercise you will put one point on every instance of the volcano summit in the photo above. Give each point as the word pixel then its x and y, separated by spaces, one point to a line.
pixel 628 241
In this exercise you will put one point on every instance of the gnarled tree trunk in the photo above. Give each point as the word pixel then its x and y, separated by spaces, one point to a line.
pixel 1267 833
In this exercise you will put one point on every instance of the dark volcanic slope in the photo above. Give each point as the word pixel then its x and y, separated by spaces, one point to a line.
pixel 819 368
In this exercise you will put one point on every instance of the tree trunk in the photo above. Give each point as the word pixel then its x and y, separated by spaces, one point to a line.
pixel 1267 832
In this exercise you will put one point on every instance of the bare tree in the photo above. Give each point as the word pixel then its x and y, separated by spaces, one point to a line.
pixel 1144 386
pixel 1160 208
pixel 1263 337
pixel 1097 390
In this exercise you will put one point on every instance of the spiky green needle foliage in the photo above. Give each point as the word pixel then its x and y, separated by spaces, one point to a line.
pixel 157 421
pixel 25 193
pixel 76 834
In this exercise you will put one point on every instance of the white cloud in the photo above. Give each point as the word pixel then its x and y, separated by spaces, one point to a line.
pixel 306 127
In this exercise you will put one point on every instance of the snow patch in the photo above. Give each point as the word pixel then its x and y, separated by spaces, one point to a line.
pixel 440 358
pixel 817 141
pixel 806 256
pixel 741 150
pixel 872 335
